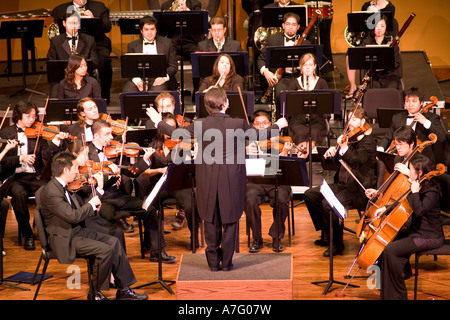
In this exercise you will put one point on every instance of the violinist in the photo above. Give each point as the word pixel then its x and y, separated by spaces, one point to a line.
pixel 255 194
pixel 299 124
pixel 422 123
pixel 147 180
pixel 26 163
pixel 360 156
pixel 87 112
pixel 425 231
pixel 165 103
pixel 118 198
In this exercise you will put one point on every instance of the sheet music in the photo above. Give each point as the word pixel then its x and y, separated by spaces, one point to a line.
pixel 148 201
pixel 332 200
pixel 255 167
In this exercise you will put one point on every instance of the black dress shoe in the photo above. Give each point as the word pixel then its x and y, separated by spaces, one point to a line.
pixel 29 243
pixel 214 269
pixel 125 226
pixel 130 295
pixel 256 246
pixel 227 268
pixel 336 252
pixel 97 296
pixel 165 257
pixel 280 246
pixel 321 243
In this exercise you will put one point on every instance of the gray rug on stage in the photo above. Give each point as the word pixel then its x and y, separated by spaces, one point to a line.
pixel 246 266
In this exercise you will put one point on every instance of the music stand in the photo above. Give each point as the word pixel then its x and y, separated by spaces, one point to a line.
pixel 235 105
pixel 319 102
pixel 182 22
pixel 90 26
pixel 3 189
pixel 19 30
pixel 144 66
pixel 273 16
pixel 387 159
pixel 364 21
pixel 281 171
pixel 141 137
pixel 129 26
pixel 61 110
pixel 384 116
pixel 284 57
pixel 203 62
pixel 338 209
pixel 56 69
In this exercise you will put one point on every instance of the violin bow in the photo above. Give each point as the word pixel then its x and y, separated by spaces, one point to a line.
pixel 345 165
pixel 243 105
pixel 94 193
pixel 42 126
pixel 4 117
pixel 124 137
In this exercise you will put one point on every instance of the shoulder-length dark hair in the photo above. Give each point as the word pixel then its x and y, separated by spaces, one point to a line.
pixel 231 74
pixel 23 107
pixel 72 65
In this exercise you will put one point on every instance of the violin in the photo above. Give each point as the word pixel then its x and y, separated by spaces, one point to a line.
pixel 357 133
pixel 171 144
pixel 118 126
pixel 115 149
pixel 79 181
pixel 46 132
pixel 278 143
pixel 180 121
pixel 103 167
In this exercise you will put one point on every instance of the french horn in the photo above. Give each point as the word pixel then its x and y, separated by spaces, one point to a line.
pixel 261 35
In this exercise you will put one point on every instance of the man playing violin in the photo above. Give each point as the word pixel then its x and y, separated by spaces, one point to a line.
pixel 165 103
pixel 255 194
pixel 87 112
pixel 360 156
pixel 119 198
pixel 26 163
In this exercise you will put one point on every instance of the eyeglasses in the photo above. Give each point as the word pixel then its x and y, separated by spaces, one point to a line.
pixel 261 123
pixel 402 144
pixel 30 115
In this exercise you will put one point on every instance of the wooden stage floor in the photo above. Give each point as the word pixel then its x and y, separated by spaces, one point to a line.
pixel 308 263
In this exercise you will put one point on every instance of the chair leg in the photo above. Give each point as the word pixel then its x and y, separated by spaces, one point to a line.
pixel 292 216
pixel 90 262
pixel 416 275
pixel 44 269
pixel 289 228
pixel 33 280
pixel 141 238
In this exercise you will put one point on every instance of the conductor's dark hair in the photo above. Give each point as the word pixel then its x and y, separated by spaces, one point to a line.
pixel 215 99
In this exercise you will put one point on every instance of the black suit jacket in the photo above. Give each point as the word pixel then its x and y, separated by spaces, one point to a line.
pixel 98 9
pixel 225 178
pixel 229 45
pixel 163 46
pixel 422 133
pixel 60 49
pixel 11 160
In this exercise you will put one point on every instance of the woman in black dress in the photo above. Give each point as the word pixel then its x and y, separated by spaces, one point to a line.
pixel 224 76
pixel 299 124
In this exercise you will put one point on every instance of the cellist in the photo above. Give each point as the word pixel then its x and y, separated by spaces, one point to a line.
pixel 360 156
pixel 425 231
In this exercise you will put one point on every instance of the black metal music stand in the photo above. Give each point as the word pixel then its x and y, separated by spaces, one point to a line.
pixel 90 26
pixel 3 188
pixel 235 105
pixel 371 58
pixel 273 16
pixel 285 57
pixel 183 23
pixel 366 21
pixel 333 201
pixel 144 66
pixel 19 30
pixel 281 171
pixel 319 102
pixel 61 110
pixel 129 26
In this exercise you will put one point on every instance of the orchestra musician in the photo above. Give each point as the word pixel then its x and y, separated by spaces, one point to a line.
pixel 64 216
pixel 162 157
pixel 77 84
pixel 298 127
pixel 93 9
pixel 152 43
pixel 255 194
pixel 165 103
pixel 25 163
pixel 360 155
pixel 223 75
pixel 87 113
pixel 218 42
pixel 219 206
pixel 118 198
pixel 425 230
pixel 65 44
pixel 381 78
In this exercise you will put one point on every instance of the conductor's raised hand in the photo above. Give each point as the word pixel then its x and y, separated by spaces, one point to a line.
pixel 282 123
pixel 154 115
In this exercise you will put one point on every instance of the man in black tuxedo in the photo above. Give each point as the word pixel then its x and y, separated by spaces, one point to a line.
pixel 220 173
pixel 218 42
pixel 91 9
pixel 25 163
pixel 65 44
pixel 64 216
pixel 87 112
pixel 151 43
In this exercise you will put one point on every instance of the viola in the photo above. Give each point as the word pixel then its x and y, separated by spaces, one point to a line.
pixel 46 132
pixel 115 149
pixel 118 126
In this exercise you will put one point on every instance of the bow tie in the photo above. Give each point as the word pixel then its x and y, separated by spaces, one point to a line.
pixel 72 38
pixel 88 125
pixel 289 39
pixel 410 116
pixel 149 42
pixel 19 129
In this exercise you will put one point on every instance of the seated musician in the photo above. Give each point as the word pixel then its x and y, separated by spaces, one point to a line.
pixel 299 123
pixel 152 43
pixel 422 123
pixel 25 163
pixel 425 230
pixel 223 75
pixel 77 84
pixel 218 42
pixel 87 113
pixel 381 78
pixel 148 179
pixel 255 194
pixel 71 42
pixel 165 103
pixel 360 156
pixel 118 198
